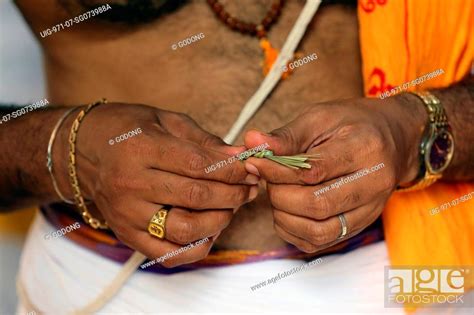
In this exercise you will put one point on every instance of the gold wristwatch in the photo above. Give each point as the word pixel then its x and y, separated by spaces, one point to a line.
pixel 437 145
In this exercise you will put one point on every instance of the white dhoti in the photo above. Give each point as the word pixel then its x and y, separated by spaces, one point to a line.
pixel 59 277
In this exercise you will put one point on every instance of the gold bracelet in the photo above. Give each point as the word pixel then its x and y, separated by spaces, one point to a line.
pixel 49 156
pixel 79 200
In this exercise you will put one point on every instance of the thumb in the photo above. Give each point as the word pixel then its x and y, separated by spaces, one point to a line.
pixel 281 141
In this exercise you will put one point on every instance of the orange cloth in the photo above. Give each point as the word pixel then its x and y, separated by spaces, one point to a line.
pixel 402 40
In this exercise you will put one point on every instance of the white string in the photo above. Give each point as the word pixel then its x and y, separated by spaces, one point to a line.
pixel 274 76
pixel 115 285
pixel 255 102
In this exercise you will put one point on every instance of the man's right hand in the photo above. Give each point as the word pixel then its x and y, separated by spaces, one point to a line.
pixel 163 165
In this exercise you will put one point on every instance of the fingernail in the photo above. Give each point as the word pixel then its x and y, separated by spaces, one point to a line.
pixel 251 169
pixel 252 179
pixel 253 193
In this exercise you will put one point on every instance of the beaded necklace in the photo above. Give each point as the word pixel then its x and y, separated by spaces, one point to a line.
pixel 258 30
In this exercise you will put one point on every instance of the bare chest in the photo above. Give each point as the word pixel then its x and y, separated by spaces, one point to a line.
pixel 210 79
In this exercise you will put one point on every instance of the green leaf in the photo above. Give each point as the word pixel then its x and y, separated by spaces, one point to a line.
pixel 294 162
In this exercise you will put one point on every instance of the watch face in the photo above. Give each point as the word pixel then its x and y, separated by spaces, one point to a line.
pixel 440 152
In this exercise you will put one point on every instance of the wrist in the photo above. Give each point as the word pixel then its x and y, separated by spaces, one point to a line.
pixel 417 112
pixel 27 180
pixel 60 156
pixel 86 170
pixel 408 119
pixel 79 168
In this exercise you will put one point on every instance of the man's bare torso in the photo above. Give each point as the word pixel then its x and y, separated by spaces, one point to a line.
pixel 210 80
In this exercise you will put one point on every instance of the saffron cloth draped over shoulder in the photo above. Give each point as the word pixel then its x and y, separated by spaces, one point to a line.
pixel 401 41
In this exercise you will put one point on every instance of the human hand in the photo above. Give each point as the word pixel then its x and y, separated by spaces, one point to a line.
pixel 350 136
pixel 163 165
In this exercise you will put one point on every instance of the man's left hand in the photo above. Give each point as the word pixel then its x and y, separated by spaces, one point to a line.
pixel 350 136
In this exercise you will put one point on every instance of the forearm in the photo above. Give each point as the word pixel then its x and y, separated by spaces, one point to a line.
pixel 458 101
pixel 24 177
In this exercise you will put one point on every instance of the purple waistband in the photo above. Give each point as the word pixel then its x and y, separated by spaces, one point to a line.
pixel 105 243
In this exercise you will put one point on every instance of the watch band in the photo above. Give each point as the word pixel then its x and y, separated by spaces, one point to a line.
pixel 436 113
pixel 420 184
pixel 437 120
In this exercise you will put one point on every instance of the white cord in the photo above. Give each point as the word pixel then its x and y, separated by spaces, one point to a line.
pixel 274 76
pixel 247 112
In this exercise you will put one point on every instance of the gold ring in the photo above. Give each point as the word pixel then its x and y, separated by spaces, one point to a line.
pixel 156 227
pixel 342 218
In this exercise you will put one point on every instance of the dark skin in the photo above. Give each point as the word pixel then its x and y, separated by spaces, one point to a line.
pixel 352 135
pixel 300 219
pixel 80 57
pixel 141 173
pixel 81 65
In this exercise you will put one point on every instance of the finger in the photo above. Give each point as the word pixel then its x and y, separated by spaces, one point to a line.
pixel 182 226
pixel 191 160
pixel 184 127
pixel 312 231
pixel 304 245
pixel 168 188
pixel 335 158
pixel 187 226
pixel 322 201
pixel 154 248
pixel 293 138
pixel 300 243
pixel 323 232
